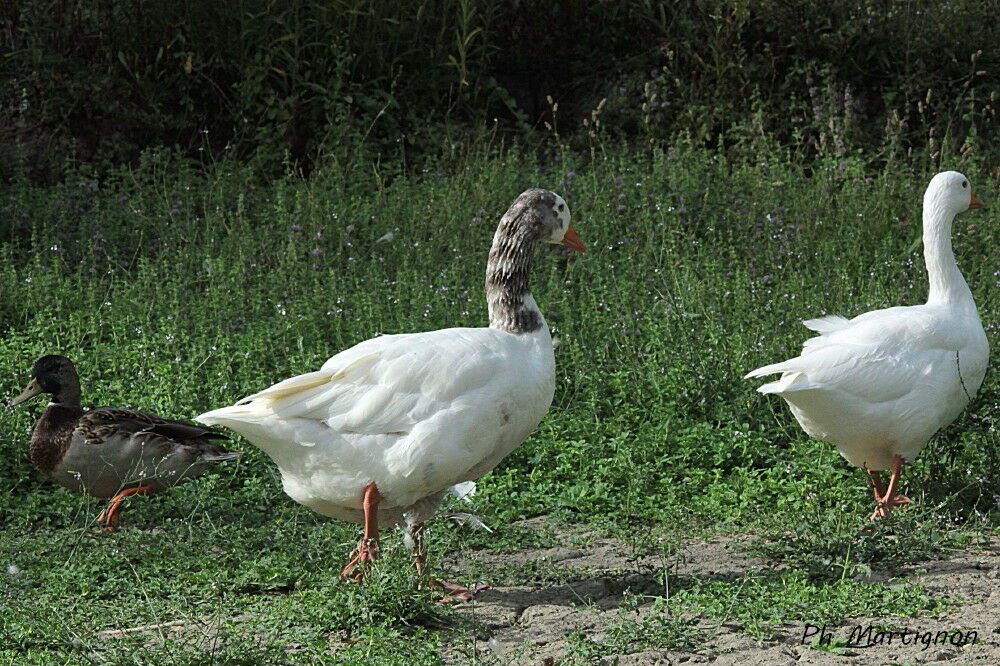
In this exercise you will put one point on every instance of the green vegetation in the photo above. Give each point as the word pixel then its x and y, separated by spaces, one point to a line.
pixel 659 630
pixel 760 603
pixel 306 82
pixel 199 199
pixel 176 291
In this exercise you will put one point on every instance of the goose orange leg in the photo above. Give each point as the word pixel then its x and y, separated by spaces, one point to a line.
pixel 878 488
pixel 453 591
pixel 367 550
pixel 890 498
pixel 418 554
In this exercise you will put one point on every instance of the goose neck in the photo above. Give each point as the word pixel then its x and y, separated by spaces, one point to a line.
pixel 510 303
pixel 947 286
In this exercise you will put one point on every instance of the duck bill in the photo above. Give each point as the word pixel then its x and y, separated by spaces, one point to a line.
pixel 572 240
pixel 27 394
pixel 975 202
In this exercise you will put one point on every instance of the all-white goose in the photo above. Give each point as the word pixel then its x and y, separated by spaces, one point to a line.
pixel 880 385
pixel 383 429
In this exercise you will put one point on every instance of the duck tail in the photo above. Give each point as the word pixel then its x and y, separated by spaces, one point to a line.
pixel 221 456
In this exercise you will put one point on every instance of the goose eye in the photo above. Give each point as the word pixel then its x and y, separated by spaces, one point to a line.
pixel 562 207
pixel 965 183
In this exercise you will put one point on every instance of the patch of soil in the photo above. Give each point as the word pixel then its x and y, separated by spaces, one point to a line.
pixel 528 624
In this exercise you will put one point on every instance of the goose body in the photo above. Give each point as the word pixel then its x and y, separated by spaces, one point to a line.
pixel 878 386
pixel 108 452
pixel 881 384
pixel 383 429
pixel 413 413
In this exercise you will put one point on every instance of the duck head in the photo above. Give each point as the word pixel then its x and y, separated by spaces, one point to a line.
pixel 52 374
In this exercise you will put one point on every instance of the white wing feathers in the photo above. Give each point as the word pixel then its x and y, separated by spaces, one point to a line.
pixel 822 325
pixel 862 356
pixel 385 385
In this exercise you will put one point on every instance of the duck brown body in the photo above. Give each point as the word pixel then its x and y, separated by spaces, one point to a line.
pixel 111 452
pixel 102 451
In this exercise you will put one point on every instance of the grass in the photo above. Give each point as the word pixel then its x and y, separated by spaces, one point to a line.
pixel 761 603
pixel 176 292
pixel 832 546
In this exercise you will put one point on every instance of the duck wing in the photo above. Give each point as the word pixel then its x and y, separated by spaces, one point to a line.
pixel 113 448
pixel 105 423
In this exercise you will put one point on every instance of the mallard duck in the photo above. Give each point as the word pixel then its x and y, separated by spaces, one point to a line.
pixel 383 429
pixel 880 385
pixel 109 452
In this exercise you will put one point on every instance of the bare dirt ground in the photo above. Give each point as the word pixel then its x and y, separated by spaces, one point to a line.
pixel 529 624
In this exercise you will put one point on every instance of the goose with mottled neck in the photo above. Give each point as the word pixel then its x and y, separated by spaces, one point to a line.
pixel 880 385
pixel 383 429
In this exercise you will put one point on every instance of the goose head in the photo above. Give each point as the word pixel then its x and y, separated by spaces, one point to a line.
pixel 951 193
pixel 545 216
pixel 561 231
pixel 52 374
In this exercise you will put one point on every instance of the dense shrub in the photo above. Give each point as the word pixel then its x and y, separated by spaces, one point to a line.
pixel 298 80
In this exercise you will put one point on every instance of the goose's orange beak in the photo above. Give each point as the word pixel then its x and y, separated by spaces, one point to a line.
pixel 572 240
pixel 975 202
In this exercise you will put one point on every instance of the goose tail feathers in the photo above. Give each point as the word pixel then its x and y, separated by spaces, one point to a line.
pixel 827 324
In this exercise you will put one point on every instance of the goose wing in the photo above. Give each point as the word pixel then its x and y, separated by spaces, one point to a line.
pixel 877 357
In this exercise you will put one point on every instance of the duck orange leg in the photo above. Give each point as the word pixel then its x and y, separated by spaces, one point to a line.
pixel 452 591
pixel 110 514
pixel 367 550
pixel 890 498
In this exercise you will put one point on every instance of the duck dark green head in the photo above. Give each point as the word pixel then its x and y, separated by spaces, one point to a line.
pixel 55 375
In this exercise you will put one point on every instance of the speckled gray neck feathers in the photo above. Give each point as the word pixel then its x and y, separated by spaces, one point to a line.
pixel 510 304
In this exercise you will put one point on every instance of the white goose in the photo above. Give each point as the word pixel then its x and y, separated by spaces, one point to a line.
pixel 880 385
pixel 384 428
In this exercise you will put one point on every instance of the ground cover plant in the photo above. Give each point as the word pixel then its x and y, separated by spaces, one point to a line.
pixel 177 290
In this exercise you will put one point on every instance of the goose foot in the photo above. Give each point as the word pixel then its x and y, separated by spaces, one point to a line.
pixel 361 557
pixel 417 549
pixel 885 506
pixel 888 499
pixel 110 514
pixel 367 550
pixel 454 591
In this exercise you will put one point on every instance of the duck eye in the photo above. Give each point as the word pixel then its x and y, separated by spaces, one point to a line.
pixel 965 183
